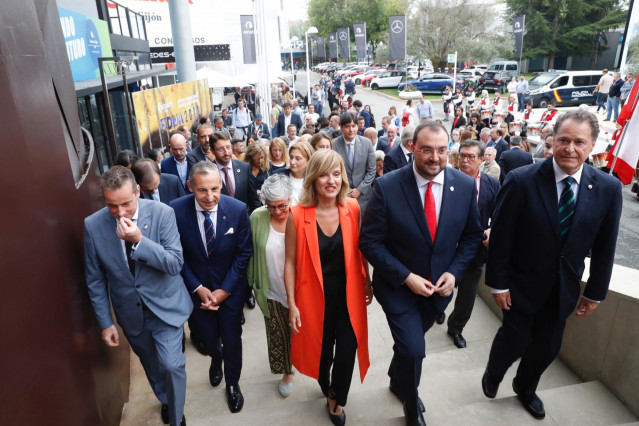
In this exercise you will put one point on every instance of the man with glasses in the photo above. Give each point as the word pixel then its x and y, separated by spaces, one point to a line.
pixel 420 231
pixel 471 154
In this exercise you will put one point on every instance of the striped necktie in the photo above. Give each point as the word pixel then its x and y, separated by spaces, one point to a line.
pixel 566 207
pixel 209 232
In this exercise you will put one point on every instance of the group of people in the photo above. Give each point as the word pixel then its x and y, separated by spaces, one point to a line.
pixel 295 222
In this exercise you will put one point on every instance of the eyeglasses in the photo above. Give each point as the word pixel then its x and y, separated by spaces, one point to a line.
pixel 429 151
pixel 281 207
pixel 467 157
pixel 223 148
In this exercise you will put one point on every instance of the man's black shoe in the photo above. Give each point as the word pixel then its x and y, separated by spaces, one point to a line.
pixel 165 414
pixel 414 421
pixel 234 398
pixel 393 388
pixel 441 317
pixel 250 302
pixel 199 345
pixel 215 373
pixel 458 340
pixel 488 385
pixel 243 319
pixel 183 422
pixel 532 404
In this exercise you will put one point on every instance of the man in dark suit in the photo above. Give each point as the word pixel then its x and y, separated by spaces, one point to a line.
pixel 513 158
pixel 371 134
pixel 133 259
pixel 359 159
pixel 385 123
pixel 420 232
pixel 176 164
pixel 287 118
pixel 547 218
pixel 361 112
pixel 216 238
pixel 155 185
pixel 471 154
pixel 401 154
pixel 235 174
pixel 258 128
pixel 496 141
pixel 202 152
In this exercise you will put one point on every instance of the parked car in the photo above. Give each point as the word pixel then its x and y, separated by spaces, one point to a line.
pixel 471 74
pixel 388 79
pixel 566 88
pixel 494 80
pixel 366 78
pixel 415 71
pixel 430 83
pixel 512 67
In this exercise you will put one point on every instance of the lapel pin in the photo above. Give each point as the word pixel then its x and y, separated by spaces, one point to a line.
pixel 146 226
pixel 223 217
pixel 452 188
pixel 238 170
pixel 589 186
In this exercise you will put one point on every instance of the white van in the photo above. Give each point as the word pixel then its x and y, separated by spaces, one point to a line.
pixel 512 67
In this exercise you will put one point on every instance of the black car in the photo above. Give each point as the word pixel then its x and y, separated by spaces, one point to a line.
pixel 494 80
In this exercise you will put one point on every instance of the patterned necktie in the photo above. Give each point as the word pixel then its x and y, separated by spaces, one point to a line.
pixel 351 159
pixel 131 262
pixel 566 207
pixel 227 180
pixel 430 211
pixel 209 232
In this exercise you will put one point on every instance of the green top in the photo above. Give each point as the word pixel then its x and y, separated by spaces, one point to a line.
pixel 257 270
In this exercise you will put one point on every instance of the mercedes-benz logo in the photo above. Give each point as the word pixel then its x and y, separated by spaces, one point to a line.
pixel 517 24
pixel 332 38
pixel 342 36
pixel 359 31
pixel 397 26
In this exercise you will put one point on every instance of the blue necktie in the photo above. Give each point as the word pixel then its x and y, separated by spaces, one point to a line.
pixel 209 232
pixel 566 207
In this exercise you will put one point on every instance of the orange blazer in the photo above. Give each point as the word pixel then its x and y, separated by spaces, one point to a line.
pixel 306 346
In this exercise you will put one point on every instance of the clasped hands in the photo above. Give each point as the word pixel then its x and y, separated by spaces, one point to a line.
pixel 421 286
pixel 211 299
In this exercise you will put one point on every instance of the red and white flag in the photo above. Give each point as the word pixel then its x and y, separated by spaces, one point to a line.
pixel 627 149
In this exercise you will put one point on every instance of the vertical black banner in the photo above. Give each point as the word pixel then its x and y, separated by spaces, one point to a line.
pixel 397 37
pixel 332 45
pixel 360 40
pixel 248 39
pixel 321 47
pixel 344 42
pixel 518 32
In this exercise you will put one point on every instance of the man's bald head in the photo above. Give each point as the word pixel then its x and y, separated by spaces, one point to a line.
pixel 177 145
pixel 371 133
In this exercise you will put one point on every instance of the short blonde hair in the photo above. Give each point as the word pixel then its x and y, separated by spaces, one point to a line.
pixel 253 151
pixel 305 148
pixel 279 143
pixel 321 162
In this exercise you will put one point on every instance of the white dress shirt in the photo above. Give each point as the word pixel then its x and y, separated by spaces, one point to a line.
pixel 437 188
pixel 406 154
pixel 200 224
pixel 134 219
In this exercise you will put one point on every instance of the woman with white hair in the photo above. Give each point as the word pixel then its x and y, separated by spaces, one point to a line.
pixel 266 274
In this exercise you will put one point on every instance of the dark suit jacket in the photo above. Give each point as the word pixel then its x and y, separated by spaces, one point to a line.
pixel 367 117
pixel 381 133
pixel 395 239
pixel 195 156
pixel 382 146
pixel 488 189
pixel 395 159
pixel 244 187
pixel 526 255
pixel 233 247
pixel 170 188
pixel 458 122
pixel 512 159
pixel 169 166
pixel 263 128
pixel 500 145
pixel 281 123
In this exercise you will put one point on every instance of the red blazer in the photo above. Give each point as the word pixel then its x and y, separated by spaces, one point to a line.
pixel 306 346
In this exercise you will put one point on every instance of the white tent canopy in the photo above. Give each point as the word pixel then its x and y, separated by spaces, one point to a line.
pixel 218 79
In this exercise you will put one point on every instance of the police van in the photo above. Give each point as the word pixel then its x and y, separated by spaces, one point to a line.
pixel 564 87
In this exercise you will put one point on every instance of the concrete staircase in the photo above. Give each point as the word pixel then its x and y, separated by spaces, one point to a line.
pixel 450 387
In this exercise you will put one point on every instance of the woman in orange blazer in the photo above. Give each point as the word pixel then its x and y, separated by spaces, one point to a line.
pixel 327 282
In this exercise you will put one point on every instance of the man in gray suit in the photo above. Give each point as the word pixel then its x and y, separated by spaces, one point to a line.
pixel 359 159
pixel 133 257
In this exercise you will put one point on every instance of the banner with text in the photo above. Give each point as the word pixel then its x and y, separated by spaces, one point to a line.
pixel 248 39
pixel 360 40
pixel 332 45
pixel 160 111
pixel 397 37
pixel 344 40
pixel 518 31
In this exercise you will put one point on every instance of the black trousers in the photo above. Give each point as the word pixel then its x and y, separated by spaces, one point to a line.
pixel 536 338
pixel 408 329
pixel 339 344
pixel 465 301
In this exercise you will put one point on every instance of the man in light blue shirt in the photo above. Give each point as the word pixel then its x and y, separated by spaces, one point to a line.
pixel 241 117
pixel 521 89
pixel 424 110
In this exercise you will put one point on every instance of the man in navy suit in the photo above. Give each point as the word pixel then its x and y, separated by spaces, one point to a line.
pixel 420 231
pixel 176 164
pixel 133 260
pixel 471 154
pixel 155 185
pixel 547 218
pixel 216 238
pixel 235 174
pixel 496 141
pixel 385 123
pixel 286 118
pixel 361 112
pixel 371 133
pixel 513 158
pixel 202 152
pixel 401 154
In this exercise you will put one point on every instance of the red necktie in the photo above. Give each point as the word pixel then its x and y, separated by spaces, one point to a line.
pixel 390 144
pixel 430 211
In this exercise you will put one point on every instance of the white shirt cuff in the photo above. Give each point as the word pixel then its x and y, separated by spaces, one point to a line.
pixel 596 301
pixel 198 287
pixel 497 291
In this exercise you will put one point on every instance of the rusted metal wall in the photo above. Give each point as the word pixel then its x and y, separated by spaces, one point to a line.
pixel 54 370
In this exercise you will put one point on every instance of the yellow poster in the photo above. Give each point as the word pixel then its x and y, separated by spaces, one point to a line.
pixel 160 111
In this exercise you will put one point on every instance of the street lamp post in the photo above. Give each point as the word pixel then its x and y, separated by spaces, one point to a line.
pixel 293 39
pixel 311 30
